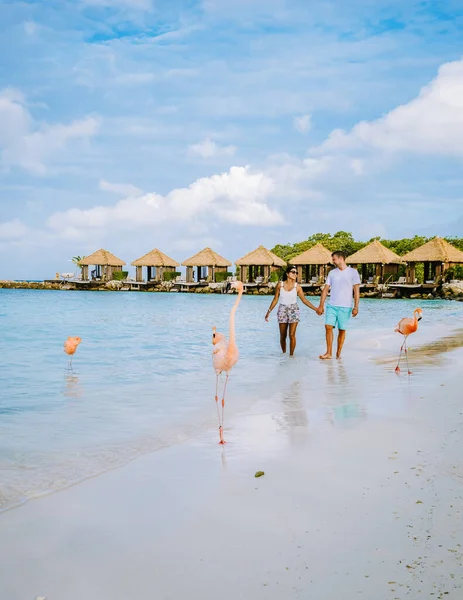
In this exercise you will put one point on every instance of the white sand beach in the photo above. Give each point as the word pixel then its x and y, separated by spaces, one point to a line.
pixel 361 498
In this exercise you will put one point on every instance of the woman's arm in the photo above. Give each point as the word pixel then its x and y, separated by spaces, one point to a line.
pixel 300 293
pixel 274 301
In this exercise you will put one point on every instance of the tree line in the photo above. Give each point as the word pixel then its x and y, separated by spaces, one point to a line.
pixel 342 240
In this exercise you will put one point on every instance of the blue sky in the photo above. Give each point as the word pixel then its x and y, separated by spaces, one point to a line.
pixel 133 124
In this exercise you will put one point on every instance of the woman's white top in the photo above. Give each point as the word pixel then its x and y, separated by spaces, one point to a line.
pixel 288 298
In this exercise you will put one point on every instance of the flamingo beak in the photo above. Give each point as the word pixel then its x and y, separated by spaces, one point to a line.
pixel 419 318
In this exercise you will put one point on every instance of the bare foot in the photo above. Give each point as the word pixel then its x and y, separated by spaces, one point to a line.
pixel 338 356
pixel 325 356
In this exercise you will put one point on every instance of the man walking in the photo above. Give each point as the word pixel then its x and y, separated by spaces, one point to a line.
pixel 344 283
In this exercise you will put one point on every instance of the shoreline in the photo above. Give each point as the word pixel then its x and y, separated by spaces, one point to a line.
pixel 361 496
pixel 446 292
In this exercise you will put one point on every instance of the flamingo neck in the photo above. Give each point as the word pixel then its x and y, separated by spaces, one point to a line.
pixel 231 335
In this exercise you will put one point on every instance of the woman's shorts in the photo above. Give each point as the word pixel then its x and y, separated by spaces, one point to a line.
pixel 288 313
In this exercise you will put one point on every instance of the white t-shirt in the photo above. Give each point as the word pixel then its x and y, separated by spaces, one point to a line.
pixel 342 286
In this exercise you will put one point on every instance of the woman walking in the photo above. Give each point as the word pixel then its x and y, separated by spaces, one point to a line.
pixel 286 292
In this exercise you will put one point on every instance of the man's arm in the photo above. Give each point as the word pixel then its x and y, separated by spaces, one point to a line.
pixel 355 310
pixel 321 306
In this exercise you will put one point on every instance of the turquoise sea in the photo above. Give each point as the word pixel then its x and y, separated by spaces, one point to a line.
pixel 142 377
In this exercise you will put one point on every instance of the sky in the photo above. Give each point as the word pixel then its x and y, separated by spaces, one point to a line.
pixel 178 124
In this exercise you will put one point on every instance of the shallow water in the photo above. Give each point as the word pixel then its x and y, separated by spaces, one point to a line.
pixel 142 377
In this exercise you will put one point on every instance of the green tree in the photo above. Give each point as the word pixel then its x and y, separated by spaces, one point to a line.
pixel 76 260
pixel 342 240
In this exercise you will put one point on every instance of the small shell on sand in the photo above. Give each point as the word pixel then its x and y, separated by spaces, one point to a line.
pixel 259 474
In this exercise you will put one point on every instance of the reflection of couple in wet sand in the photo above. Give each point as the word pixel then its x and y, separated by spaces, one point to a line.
pixel 344 283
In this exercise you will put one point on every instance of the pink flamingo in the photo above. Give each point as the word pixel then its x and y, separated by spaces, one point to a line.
pixel 225 354
pixel 406 327
pixel 70 347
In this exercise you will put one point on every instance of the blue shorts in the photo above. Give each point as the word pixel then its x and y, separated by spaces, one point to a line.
pixel 338 316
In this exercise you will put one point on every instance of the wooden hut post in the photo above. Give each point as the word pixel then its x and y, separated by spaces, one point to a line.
pixel 438 270
pixel 364 271
pixel 85 273
pixel 267 273
pixel 445 268
pixel 411 273
pixel 139 273
pixel 299 273
pixel 426 270
pixel 242 274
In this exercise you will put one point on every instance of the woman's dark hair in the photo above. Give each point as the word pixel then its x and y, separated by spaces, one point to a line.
pixel 287 270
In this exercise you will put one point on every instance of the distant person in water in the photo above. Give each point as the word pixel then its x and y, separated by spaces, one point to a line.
pixel 344 283
pixel 286 292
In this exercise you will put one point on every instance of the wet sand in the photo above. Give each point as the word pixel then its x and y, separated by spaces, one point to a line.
pixel 361 498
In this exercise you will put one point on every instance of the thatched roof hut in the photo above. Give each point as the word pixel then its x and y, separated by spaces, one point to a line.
pixel 436 250
pixel 102 257
pixel 207 258
pixel 316 255
pixel 437 255
pixel 312 264
pixel 105 264
pixel 260 256
pixel 259 260
pixel 157 264
pixel 375 253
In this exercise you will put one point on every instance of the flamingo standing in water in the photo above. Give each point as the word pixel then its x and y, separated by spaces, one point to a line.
pixel 70 347
pixel 225 354
pixel 407 326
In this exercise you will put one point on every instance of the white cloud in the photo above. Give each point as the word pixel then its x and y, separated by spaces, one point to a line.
pixel 30 145
pixel 303 123
pixel 431 123
pixel 357 166
pixel 238 196
pixel 121 189
pixel 210 149
pixel 12 230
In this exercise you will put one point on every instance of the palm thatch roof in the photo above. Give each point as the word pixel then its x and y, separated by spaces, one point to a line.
pixel 155 258
pixel 436 250
pixel 373 254
pixel 317 255
pixel 206 258
pixel 102 257
pixel 260 257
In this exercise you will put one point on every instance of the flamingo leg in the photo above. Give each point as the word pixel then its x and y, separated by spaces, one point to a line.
pixel 222 441
pixel 406 356
pixel 397 369
pixel 217 400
